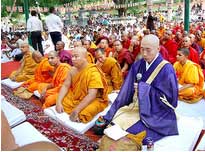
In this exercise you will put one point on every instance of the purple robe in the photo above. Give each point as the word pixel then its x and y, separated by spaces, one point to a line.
pixel 65 57
pixel 156 118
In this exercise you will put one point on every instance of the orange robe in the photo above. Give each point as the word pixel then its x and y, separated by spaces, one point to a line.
pixel 28 68
pixel 57 81
pixel 201 43
pixel 113 74
pixel 42 75
pixel 89 78
pixel 190 73
pixel 90 58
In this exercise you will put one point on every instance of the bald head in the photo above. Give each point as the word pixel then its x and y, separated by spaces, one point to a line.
pixel 151 40
pixel 53 58
pixel 53 53
pixel 78 43
pixel 37 56
pixel 149 47
pixel 79 57
pixel 24 47
pixel 81 51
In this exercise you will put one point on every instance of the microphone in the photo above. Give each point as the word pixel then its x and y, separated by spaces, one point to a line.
pixel 138 77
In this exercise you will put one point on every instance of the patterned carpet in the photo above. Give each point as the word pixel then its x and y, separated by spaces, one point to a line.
pixel 63 137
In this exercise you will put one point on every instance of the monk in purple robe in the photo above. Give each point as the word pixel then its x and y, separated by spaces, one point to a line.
pixel 156 100
pixel 65 55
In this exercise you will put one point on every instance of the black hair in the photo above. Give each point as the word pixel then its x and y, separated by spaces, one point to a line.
pixel 51 9
pixel 33 13
pixel 184 51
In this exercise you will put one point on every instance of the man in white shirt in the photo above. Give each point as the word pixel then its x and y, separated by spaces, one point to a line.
pixel 54 25
pixel 35 27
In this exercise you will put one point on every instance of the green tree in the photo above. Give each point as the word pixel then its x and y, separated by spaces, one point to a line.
pixel 121 11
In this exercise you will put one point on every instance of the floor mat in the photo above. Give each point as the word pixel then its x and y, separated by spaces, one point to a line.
pixel 63 137
pixel 8 67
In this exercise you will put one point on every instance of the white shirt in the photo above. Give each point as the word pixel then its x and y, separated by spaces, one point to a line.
pixel 54 23
pixel 34 24
pixel 148 65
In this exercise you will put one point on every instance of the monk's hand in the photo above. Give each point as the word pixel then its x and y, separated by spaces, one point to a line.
pixel 74 116
pixel 59 108
pixel 136 86
pixel 43 94
pixel 13 78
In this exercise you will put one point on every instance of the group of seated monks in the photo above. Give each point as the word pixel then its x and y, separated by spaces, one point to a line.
pixel 149 85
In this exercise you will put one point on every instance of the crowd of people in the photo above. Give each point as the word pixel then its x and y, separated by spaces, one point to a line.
pixel 144 63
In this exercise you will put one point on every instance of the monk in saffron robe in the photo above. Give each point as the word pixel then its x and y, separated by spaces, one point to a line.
pixel 49 91
pixel 104 44
pixel 190 76
pixel 43 73
pixel 28 65
pixel 155 101
pixel 111 69
pixel 84 92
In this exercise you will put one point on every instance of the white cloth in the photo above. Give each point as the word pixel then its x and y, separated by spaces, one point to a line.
pixel 14 115
pixel 64 119
pixel 54 23
pixel 34 24
pixel 25 134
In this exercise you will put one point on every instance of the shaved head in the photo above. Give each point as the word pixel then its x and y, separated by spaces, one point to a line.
pixel 53 58
pixel 149 47
pixel 79 57
pixel 81 50
pixel 53 53
pixel 37 56
pixel 151 40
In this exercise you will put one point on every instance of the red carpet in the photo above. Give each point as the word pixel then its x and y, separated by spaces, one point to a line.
pixel 63 137
pixel 8 67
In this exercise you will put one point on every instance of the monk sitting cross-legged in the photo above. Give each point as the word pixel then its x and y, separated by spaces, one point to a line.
pixel 190 76
pixel 49 91
pixel 84 92
pixel 27 68
pixel 43 73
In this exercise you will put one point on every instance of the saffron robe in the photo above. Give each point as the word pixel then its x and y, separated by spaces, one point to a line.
pixel 190 73
pixel 156 118
pixel 57 81
pixel 172 48
pixel 28 69
pixel 113 74
pixel 42 75
pixel 90 58
pixel 89 78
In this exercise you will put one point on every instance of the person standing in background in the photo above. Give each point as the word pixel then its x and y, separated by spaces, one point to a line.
pixel 35 27
pixel 54 25
pixel 150 22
